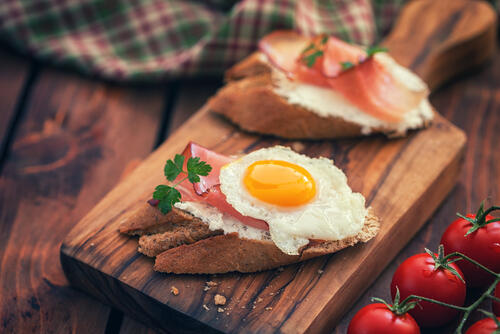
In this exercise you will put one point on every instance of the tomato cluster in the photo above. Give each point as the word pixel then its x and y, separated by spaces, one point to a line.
pixel 439 279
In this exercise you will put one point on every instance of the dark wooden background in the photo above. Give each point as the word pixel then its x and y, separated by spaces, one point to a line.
pixel 66 140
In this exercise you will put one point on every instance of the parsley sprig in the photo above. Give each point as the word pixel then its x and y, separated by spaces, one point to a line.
pixel 316 49
pixel 370 51
pixel 167 196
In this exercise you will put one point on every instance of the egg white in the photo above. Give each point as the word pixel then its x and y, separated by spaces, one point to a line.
pixel 334 213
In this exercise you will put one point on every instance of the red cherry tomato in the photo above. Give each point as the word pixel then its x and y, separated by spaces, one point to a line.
pixel 496 305
pixel 417 276
pixel 379 319
pixel 484 326
pixel 482 245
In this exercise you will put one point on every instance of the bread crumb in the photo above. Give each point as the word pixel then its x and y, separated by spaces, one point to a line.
pixel 259 300
pixel 174 290
pixel 269 308
pixel 92 244
pixel 243 306
pixel 206 307
pixel 209 285
pixel 297 146
pixel 271 293
pixel 220 310
pixel 320 271
pixel 219 299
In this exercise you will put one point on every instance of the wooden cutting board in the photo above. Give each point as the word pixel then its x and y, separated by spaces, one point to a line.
pixel 404 180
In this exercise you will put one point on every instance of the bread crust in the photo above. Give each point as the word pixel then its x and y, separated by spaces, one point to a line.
pixel 226 253
pixel 147 219
pixel 185 244
pixel 249 101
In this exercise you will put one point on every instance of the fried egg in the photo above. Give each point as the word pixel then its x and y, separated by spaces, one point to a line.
pixel 301 198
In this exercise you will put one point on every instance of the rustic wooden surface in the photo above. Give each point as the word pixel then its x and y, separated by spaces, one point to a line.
pixel 75 138
pixel 470 102
pixel 14 75
pixel 450 33
pixel 94 255
pixel 98 259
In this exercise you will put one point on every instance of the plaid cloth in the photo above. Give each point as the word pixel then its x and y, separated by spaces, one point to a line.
pixel 150 40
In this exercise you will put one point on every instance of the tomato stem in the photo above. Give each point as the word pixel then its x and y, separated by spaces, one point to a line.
pixel 464 257
pixel 467 310
pixel 434 301
pixel 480 218
pixel 397 307
pixel 440 261
pixel 409 302
pixel 493 317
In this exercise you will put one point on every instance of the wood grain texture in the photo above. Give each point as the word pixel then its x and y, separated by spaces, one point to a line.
pixel 105 263
pixel 473 104
pixel 440 39
pixel 14 75
pixel 404 180
pixel 75 139
pixel 190 96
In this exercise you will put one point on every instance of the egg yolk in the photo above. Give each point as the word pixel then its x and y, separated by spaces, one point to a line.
pixel 279 182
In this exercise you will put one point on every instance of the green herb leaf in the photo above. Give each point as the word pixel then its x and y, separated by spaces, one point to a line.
pixel 308 48
pixel 197 168
pixel 311 59
pixel 324 39
pixel 174 168
pixel 167 197
pixel 346 65
pixel 375 49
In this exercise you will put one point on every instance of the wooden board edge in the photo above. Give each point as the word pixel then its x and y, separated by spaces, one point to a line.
pixel 446 181
pixel 98 284
pixel 67 254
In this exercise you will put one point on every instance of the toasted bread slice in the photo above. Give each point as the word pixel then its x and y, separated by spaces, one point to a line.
pixel 252 100
pixel 187 246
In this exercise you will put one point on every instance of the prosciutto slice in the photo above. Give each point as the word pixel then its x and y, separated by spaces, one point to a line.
pixel 367 84
pixel 208 189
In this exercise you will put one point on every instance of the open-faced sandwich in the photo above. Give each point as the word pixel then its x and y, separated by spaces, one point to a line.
pixel 263 210
pixel 310 88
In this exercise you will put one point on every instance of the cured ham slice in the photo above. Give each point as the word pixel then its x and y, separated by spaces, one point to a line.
pixel 338 52
pixel 282 48
pixel 347 69
pixel 208 190
pixel 371 88
pixel 214 159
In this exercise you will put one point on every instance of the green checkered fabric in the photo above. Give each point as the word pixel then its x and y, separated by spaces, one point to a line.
pixel 151 40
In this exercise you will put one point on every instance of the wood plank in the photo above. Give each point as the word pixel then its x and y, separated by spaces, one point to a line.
pixel 471 103
pixel 14 74
pixel 76 138
pixel 450 33
pixel 94 245
pixel 132 326
pixel 189 97
pixel 192 95
pixel 96 257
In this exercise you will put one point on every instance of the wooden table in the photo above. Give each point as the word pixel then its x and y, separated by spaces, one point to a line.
pixel 66 140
